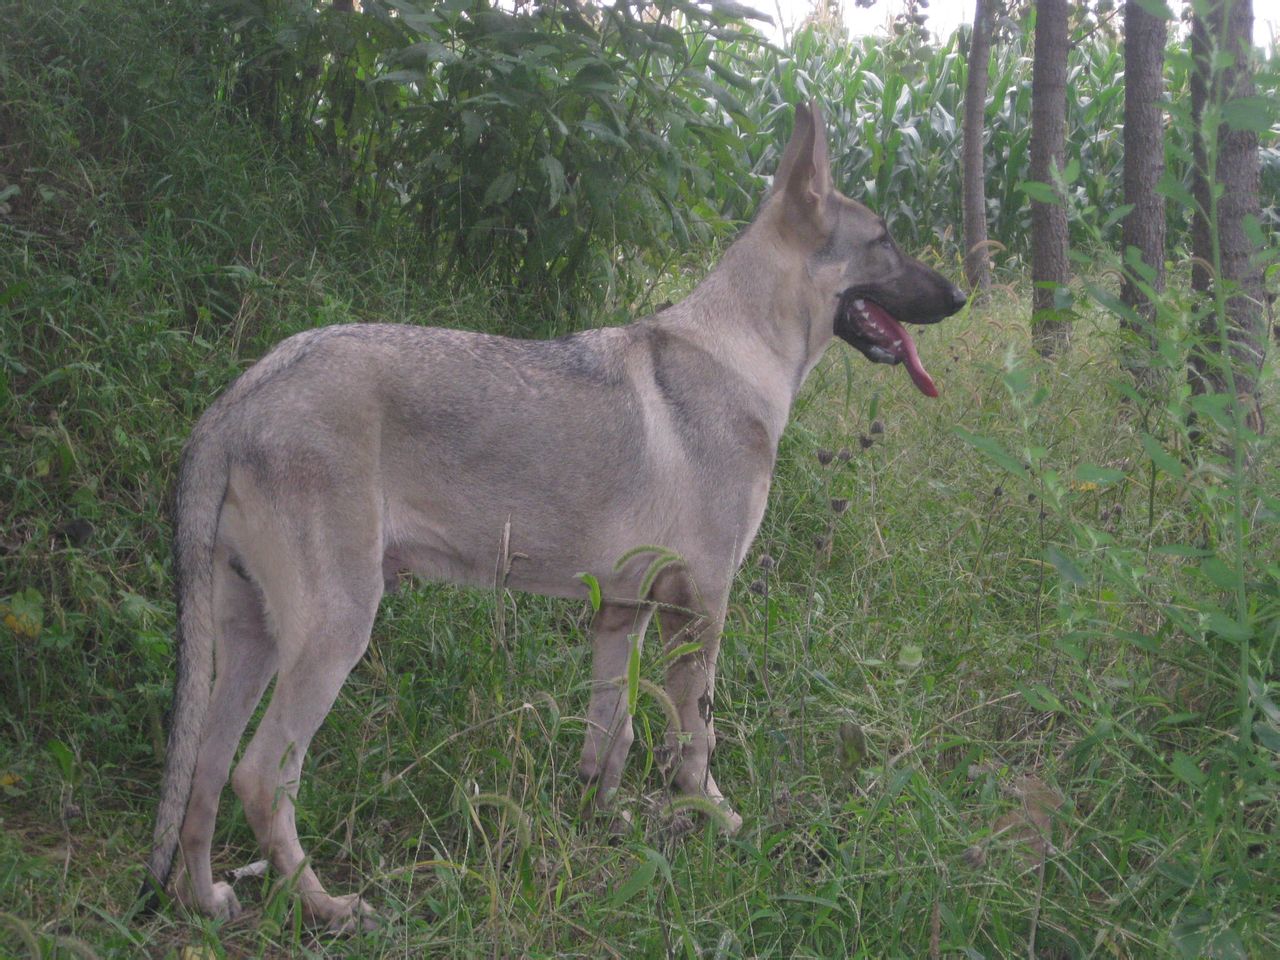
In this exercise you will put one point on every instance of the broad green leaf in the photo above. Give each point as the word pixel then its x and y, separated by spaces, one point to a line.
pixel 1102 476
pixel 1250 113
pixel 992 449
pixel 729 77
pixel 1116 215
pixel 1065 566
pixel 1156 8
pixel 1214 406
pixel 500 190
pixel 1268 734
pixel 555 180
pixel 641 879
pixel 1224 626
pixel 66 760
pixel 1040 192
pixel 593 587
pixel 1161 457
pixel 1186 770
pixel 1218 573
pixel 1173 189
pixel 682 650
pixel 1041 698
pixel 739 11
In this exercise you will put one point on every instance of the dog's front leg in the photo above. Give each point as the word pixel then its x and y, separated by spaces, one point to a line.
pixel 609 733
pixel 691 684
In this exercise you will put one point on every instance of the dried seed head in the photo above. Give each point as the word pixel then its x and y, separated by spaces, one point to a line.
pixel 766 562
pixel 998 491
pixel 758 588
pixel 845 455
pixel 820 542
pixel 853 745
pixel 824 456
pixel 839 505
pixel 877 426
pixel 864 441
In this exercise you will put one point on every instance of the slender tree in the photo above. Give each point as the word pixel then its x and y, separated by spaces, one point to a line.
pixel 977 258
pixel 1228 358
pixel 1143 231
pixel 1051 330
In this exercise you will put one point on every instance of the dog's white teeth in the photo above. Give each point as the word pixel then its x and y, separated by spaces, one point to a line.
pixel 860 304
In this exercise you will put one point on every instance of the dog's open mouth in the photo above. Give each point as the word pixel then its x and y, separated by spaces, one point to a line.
pixel 865 324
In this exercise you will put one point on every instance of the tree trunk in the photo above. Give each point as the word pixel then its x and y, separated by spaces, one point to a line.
pixel 1050 324
pixel 977 258
pixel 1228 357
pixel 1144 225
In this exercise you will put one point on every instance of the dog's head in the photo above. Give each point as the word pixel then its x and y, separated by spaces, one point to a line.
pixel 868 287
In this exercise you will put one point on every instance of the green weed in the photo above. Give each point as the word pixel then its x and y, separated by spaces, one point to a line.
pixel 998 678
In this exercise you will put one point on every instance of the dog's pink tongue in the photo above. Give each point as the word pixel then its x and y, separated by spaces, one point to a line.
pixel 902 347
pixel 919 376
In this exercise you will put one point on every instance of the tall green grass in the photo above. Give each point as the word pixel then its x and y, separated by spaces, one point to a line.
pixel 999 677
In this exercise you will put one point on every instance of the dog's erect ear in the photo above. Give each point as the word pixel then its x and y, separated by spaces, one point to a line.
pixel 801 141
pixel 821 160
pixel 804 173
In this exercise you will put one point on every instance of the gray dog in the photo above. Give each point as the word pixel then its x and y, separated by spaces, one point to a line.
pixel 350 454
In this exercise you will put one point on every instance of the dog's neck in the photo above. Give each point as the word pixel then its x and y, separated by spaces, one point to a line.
pixel 754 313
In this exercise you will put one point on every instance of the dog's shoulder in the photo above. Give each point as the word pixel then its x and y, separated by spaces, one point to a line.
pixel 597 356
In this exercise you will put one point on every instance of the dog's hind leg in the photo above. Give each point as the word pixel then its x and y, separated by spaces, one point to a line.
pixel 322 627
pixel 609 733
pixel 244 655
pixel 690 683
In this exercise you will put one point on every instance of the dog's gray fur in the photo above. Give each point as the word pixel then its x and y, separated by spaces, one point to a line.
pixel 351 453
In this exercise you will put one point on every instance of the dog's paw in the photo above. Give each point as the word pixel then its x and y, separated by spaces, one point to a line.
pixel 730 821
pixel 224 904
pixel 714 808
pixel 340 915
pixel 617 823
pixel 677 825
pixel 220 904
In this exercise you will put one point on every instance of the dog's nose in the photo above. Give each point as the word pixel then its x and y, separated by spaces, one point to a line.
pixel 958 299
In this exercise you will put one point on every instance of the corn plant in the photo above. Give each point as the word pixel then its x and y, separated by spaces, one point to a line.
pixel 893 109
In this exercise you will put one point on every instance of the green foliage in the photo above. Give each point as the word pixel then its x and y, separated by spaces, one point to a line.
pixel 1196 589
pixel 537 147
pixel 1000 675
pixel 562 154
pixel 895 109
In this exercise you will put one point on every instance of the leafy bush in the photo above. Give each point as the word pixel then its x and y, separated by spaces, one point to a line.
pixel 540 148
pixel 565 154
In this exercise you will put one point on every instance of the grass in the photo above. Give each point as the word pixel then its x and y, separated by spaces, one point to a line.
pixel 898 687
pixel 990 686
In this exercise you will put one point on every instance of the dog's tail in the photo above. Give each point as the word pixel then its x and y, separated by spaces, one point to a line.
pixel 197 505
